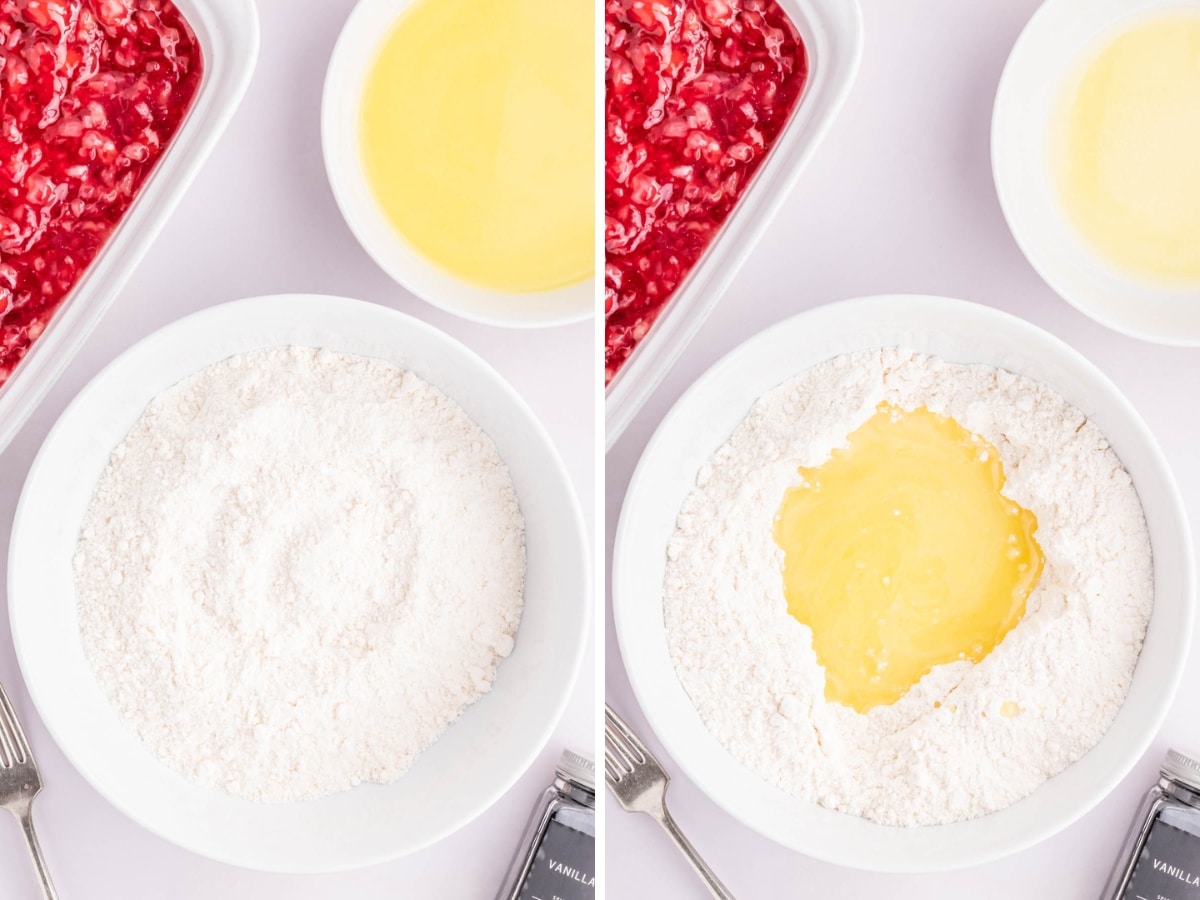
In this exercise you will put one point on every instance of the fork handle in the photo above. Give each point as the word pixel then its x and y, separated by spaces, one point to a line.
pixel 711 881
pixel 24 815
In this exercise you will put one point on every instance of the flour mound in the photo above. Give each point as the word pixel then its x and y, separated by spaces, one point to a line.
pixel 943 752
pixel 298 568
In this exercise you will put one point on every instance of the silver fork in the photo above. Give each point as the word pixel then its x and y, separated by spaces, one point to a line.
pixel 640 785
pixel 19 784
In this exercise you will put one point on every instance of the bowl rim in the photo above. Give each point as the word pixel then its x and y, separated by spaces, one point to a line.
pixel 575 643
pixel 664 713
pixel 342 158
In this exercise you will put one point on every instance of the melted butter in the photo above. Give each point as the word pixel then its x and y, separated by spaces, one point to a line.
pixel 477 139
pixel 1127 147
pixel 901 553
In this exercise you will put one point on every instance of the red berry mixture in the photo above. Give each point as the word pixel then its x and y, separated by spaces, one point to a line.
pixel 92 92
pixel 697 91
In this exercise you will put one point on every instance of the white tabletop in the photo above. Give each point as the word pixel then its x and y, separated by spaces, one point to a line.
pixel 900 199
pixel 259 220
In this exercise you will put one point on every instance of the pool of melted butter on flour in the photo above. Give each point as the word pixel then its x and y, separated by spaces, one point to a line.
pixel 902 553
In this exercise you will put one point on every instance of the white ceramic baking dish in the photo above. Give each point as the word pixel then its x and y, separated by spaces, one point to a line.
pixel 228 34
pixel 832 32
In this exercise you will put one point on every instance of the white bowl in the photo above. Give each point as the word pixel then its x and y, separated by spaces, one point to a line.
pixel 353 55
pixel 1060 37
pixel 832 31
pixel 474 762
pixel 703 419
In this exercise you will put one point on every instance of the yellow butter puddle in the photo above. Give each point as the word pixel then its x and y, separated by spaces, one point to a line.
pixel 901 553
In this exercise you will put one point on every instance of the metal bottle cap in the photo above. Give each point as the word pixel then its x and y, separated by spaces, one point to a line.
pixel 578 768
pixel 1183 769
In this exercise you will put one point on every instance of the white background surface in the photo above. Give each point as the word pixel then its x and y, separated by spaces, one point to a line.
pixel 260 219
pixel 900 199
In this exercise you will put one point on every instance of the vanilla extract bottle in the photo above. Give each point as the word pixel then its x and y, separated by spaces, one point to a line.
pixel 1161 856
pixel 557 859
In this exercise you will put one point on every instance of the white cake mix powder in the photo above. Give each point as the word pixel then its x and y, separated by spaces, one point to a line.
pixel 297 570
pixel 944 751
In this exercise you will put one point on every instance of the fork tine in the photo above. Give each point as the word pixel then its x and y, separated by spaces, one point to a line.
pixel 640 752
pixel 612 773
pixel 615 746
pixel 8 743
pixel 623 755
pixel 20 746
pixel 616 753
pixel 8 753
pixel 8 749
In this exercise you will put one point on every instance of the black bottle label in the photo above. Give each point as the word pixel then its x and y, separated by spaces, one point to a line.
pixel 564 867
pixel 1168 867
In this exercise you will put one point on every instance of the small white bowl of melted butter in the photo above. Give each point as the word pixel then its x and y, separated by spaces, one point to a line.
pixel 1095 132
pixel 464 164
pixel 904 584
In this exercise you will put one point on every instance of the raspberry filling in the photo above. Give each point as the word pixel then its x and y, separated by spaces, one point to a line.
pixel 697 92
pixel 92 93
